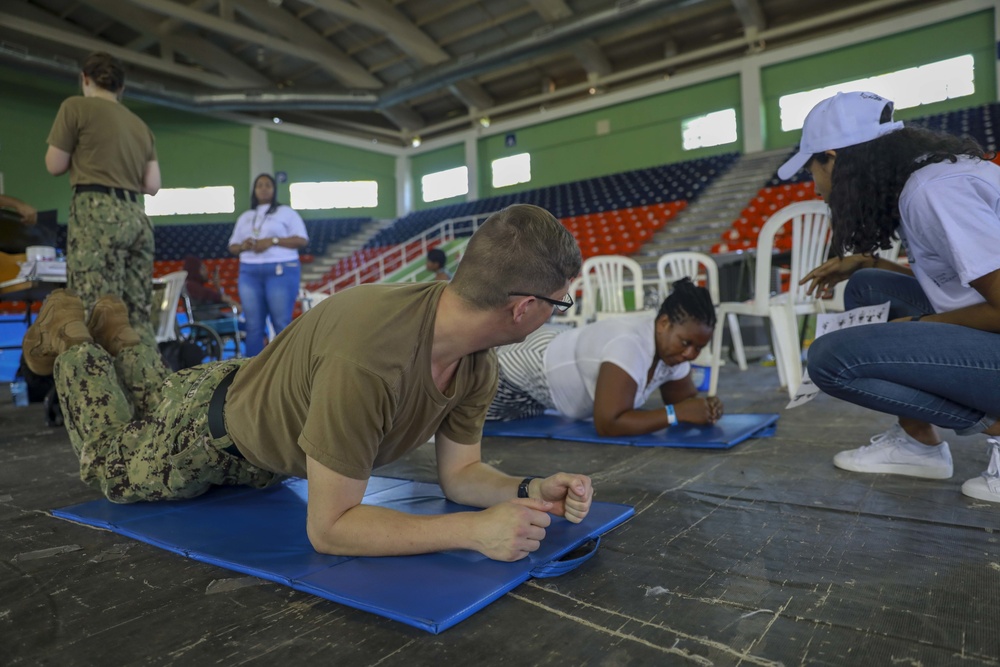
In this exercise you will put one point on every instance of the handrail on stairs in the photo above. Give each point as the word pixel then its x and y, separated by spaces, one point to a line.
pixel 377 268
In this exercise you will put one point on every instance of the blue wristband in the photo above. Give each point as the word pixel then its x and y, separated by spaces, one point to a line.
pixel 671 415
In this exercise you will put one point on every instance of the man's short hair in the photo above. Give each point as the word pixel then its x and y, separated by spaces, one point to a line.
pixel 437 256
pixel 522 248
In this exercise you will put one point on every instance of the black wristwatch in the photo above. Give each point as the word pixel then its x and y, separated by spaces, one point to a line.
pixel 522 488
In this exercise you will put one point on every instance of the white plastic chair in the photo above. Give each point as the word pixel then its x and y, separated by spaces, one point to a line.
pixel 697 266
pixel 173 287
pixel 605 282
pixel 700 268
pixel 810 246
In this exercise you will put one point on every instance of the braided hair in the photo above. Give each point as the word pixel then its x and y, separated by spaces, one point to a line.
pixel 687 300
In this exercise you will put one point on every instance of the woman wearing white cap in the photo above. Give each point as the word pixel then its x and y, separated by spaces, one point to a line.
pixel 937 362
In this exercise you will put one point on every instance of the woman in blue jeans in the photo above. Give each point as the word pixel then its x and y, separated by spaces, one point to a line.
pixel 936 363
pixel 267 239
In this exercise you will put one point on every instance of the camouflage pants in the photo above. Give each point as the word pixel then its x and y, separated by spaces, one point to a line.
pixel 154 445
pixel 109 250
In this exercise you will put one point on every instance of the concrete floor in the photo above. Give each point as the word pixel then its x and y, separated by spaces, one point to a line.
pixel 761 555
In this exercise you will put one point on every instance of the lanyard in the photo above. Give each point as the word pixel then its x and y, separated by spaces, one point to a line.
pixel 257 224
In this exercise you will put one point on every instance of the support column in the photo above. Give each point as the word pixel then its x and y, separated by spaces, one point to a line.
pixel 472 163
pixel 753 106
pixel 996 41
pixel 261 159
pixel 404 186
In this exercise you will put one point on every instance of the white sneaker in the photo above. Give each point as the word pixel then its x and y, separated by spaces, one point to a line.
pixel 896 453
pixel 987 486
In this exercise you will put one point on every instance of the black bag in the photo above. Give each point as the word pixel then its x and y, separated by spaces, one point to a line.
pixel 53 411
pixel 180 354
pixel 38 385
pixel 42 389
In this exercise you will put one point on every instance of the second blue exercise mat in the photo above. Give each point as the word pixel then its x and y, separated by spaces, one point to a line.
pixel 263 533
pixel 727 432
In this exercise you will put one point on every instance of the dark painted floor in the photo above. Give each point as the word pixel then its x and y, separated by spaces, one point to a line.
pixel 762 555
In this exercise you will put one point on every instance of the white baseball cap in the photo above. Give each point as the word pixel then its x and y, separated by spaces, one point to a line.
pixel 846 119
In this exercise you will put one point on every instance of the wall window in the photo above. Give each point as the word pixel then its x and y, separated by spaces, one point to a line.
pixel 445 184
pixel 191 201
pixel 908 88
pixel 334 194
pixel 713 129
pixel 512 170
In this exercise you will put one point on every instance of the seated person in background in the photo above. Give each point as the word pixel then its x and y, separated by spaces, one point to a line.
pixel 436 260
pixel 209 302
pixel 608 369
pixel 27 212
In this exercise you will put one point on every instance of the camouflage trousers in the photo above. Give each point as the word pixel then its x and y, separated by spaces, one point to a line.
pixel 154 444
pixel 109 250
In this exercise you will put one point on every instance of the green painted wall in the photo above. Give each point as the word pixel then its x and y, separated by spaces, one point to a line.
pixel 28 105
pixel 198 151
pixel 968 34
pixel 643 133
pixel 311 160
pixel 193 150
pixel 431 162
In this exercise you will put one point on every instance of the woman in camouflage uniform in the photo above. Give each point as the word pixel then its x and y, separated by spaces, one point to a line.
pixel 110 155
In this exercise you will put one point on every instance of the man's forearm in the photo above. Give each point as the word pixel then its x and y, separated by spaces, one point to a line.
pixel 376 531
pixel 479 485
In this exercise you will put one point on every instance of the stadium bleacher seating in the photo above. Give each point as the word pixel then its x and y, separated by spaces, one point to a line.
pixel 612 214
pixel 209 241
pixel 631 189
pixel 977 123
pixel 608 214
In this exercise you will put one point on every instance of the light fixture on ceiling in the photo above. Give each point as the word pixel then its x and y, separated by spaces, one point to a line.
pixel 277 121
pixel 485 121
pixel 415 142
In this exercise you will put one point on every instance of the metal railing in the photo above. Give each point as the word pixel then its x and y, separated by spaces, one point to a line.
pixel 377 268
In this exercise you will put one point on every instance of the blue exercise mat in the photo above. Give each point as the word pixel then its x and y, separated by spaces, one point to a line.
pixel 263 533
pixel 727 432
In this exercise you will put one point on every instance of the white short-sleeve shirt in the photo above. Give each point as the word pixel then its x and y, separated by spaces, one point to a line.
pixel 950 221
pixel 259 224
pixel 573 361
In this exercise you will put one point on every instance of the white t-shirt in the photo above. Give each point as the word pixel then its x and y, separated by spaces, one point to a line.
pixel 573 361
pixel 259 224
pixel 950 221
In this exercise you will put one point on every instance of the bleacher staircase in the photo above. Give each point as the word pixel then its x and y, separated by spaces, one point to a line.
pixel 343 248
pixel 700 225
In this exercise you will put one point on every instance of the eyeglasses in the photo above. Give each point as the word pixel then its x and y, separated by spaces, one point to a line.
pixel 561 306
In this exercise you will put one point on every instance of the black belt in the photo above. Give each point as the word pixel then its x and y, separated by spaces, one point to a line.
pixel 216 420
pixel 121 193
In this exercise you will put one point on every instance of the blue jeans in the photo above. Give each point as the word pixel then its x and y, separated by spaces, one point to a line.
pixel 944 374
pixel 267 290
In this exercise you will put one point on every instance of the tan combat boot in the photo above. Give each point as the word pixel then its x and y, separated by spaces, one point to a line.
pixel 109 325
pixel 59 326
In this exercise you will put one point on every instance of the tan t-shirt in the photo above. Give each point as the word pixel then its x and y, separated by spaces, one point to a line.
pixel 109 144
pixel 349 383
